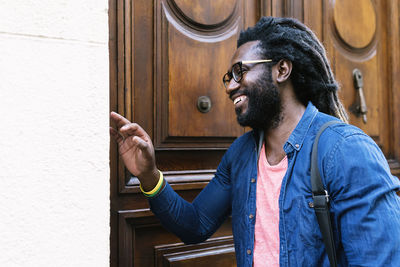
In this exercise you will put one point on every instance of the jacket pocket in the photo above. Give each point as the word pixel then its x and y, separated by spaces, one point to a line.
pixel 309 231
pixel 309 235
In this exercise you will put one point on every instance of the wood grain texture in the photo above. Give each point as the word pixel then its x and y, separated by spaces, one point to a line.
pixel 355 21
pixel 393 10
pixel 206 12
pixel 161 62
pixel 219 251
pixel 371 60
pixel 143 242
pixel 190 64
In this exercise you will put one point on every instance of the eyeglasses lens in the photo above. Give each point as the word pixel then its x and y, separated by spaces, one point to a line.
pixel 227 78
pixel 237 72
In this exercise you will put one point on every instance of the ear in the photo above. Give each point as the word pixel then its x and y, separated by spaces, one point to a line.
pixel 283 68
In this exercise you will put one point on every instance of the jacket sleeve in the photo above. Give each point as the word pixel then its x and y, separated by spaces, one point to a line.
pixel 364 202
pixel 197 221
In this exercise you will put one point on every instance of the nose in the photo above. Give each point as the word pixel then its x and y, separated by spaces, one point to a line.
pixel 232 86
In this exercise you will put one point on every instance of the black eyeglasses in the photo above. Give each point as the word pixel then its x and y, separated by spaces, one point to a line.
pixel 237 71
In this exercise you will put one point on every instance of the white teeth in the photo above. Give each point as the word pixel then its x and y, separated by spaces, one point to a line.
pixel 238 99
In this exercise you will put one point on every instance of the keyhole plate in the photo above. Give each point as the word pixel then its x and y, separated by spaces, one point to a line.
pixel 204 104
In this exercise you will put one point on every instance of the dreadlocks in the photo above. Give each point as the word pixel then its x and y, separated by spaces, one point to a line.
pixel 312 77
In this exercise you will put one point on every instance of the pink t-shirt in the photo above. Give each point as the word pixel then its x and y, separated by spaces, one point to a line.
pixel 269 180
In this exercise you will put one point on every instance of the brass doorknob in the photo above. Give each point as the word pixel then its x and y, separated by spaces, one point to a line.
pixel 204 104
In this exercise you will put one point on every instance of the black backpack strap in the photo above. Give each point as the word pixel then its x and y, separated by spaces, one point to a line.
pixel 321 200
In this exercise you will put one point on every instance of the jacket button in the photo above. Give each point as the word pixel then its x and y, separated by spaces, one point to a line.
pixel 248 251
pixel 253 180
pixel 297 145
pixel 251 216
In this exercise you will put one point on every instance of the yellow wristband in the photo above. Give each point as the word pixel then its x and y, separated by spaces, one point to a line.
pixel 156 189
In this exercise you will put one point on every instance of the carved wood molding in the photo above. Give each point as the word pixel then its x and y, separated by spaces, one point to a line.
pixel 394 44
pixel 132 222
pixel 128 220
pixel 343 43
pixel 170 18
pixel 179 180
pixel 178 16
pixel 394 167
pixel 216 248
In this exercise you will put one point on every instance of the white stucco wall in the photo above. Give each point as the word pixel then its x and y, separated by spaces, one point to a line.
pixel 54 140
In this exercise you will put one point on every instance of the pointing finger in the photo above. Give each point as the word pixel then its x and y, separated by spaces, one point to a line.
pixel 118 119
pixel 134 142
pixel 134 129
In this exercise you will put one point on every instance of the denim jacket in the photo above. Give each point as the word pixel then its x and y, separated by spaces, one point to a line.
pixel 364 206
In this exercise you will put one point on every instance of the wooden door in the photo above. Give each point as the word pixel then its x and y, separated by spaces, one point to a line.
pixel 364 35
pixel 167 60
pixel 166 56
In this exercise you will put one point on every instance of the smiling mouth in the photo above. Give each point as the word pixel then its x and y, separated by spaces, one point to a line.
pixel 239 99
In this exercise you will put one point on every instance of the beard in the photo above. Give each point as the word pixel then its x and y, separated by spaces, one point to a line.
pixel 264 105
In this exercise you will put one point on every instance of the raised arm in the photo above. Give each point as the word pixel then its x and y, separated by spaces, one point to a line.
pixel 192 222
pixel 136 150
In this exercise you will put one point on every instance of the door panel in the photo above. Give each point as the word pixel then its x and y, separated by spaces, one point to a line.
pixel 193 51
pixel 218 251
pixel 354 38
pixel 356 35
pixel 144 242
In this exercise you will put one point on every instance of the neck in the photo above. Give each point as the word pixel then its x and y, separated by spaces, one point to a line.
pixel 275 138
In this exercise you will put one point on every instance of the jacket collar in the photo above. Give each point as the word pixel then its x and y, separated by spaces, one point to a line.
pixel 298 135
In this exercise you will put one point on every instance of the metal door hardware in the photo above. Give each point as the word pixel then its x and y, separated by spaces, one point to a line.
pixel 204 104
pixel 360 106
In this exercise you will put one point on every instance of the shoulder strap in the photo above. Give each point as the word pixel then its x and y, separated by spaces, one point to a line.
pixel 321 200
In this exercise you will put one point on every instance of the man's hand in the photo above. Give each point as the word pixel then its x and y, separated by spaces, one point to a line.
pixel 136 150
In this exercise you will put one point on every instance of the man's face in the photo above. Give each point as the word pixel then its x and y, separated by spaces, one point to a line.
pixel 256 98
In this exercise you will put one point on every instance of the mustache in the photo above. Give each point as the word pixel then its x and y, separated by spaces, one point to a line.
pixel 238 91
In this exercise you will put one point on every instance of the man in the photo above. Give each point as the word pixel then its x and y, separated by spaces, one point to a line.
pixel 282 86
